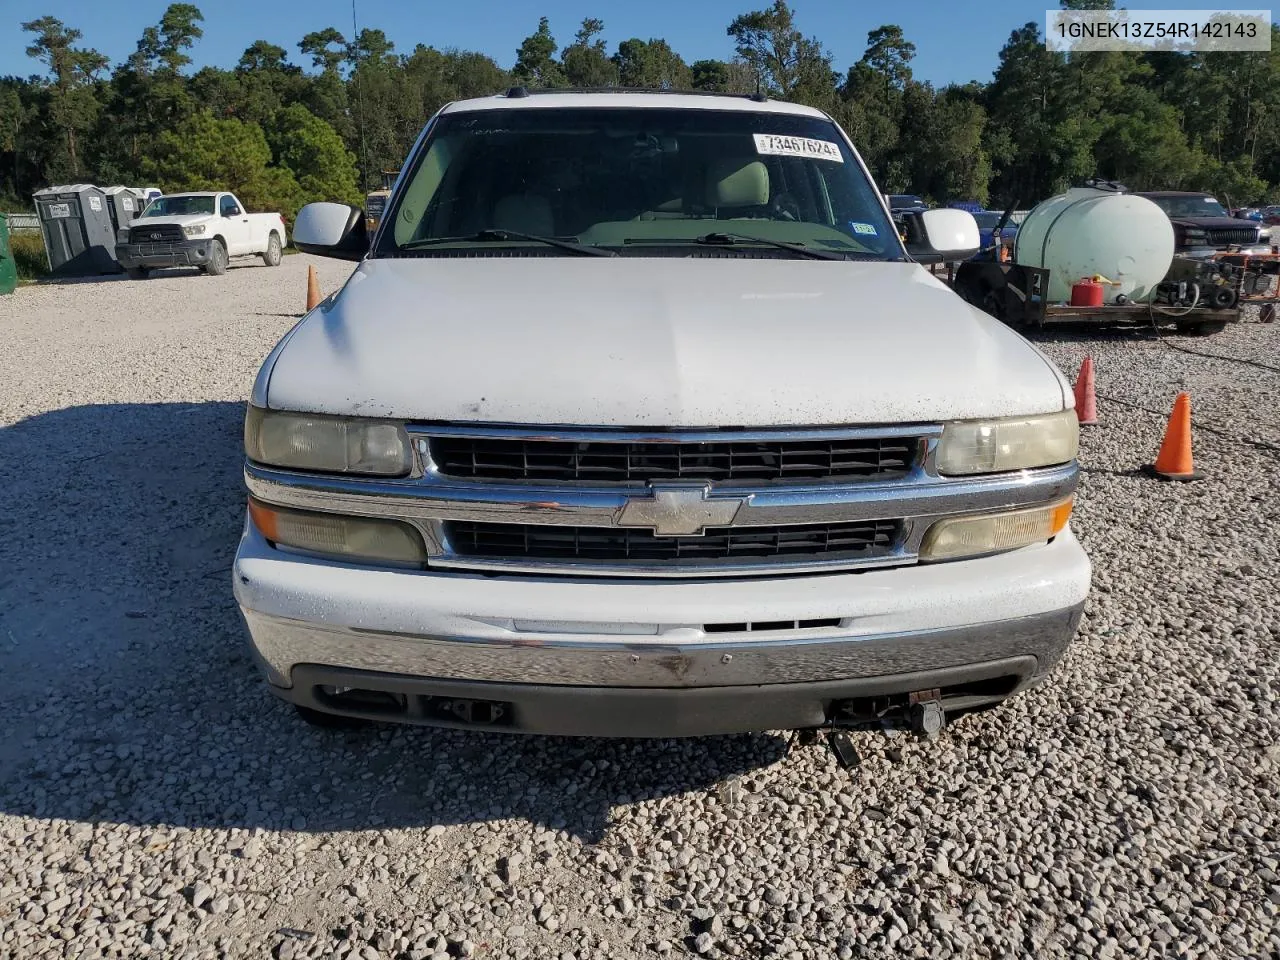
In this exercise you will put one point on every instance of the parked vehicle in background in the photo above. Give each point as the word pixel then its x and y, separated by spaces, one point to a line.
pixel 903 203
pixel 1248 213
pixel 1201 225
pixel 1271 215
pixel 987 221
pixel 205 230
pixel 544 464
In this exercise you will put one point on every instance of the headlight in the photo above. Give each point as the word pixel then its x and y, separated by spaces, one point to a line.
pixel 1015 443
pixel 305 441
pixel 194 229
pixel 994 532
pixel 329 533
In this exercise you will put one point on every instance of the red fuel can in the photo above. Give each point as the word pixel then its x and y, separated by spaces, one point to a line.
pixel 1086 293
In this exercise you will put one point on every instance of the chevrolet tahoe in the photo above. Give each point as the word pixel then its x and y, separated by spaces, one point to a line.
pixel 760 470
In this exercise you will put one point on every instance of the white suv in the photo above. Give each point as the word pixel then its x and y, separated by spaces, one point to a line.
pixel 760 470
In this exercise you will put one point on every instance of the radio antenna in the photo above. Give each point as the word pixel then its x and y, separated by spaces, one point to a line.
pixel 355 56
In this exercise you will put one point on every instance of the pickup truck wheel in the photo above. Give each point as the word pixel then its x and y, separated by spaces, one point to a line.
pixel 329 721
pixel 217 264
pixel 272 257
pixel 139 273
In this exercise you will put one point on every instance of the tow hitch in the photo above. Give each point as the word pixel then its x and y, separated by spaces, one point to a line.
pixel 921 712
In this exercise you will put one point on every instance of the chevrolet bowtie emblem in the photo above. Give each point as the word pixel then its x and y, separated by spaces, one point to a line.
pixel 679 510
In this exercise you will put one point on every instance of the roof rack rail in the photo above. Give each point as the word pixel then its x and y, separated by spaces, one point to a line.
pixel 521 91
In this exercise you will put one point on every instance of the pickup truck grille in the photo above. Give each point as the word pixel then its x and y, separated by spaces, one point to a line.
pixel 160 232
pixel 1228 235
pixel 816 541
pixel 642 461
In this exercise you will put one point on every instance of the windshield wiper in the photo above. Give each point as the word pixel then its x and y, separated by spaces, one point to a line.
pixel 733 239
pixel 493 235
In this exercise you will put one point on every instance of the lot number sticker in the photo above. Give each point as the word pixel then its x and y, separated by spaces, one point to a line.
pixel 95 203
pixel 59 211
pixel 780 146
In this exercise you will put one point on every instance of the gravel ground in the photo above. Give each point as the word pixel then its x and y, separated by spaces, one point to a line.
pixel 155 801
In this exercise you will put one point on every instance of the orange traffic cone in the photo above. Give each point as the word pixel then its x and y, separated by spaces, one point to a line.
pixel 1174 461
pixel 313 289
pixel 1086 402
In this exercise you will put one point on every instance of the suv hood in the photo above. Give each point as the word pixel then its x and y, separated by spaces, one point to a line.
pixel 658 342
pixel 1217 223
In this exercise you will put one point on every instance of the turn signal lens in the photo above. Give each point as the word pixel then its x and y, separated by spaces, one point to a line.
pixel 360 538
pixel 994 532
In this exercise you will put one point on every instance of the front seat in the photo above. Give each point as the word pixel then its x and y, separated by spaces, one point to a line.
pixel 738 188
pixel 524 213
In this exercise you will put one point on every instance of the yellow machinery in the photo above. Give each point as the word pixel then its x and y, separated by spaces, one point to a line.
pixel 375 202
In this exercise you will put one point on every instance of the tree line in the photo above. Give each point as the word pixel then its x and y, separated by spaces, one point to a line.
pixel 281 133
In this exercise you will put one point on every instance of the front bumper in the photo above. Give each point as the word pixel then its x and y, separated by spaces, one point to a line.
pixel 634 658
pixel 172 253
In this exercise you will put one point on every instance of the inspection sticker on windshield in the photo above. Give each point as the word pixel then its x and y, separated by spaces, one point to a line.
pixel 779 146
pixel 866 229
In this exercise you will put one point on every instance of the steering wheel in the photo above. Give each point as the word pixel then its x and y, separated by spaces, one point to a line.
pixel 784 206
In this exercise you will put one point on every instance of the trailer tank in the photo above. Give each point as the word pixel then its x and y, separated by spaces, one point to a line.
pixel 1097 230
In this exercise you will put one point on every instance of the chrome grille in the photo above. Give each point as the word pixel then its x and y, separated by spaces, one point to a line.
pixel 616 545
pixel 160 232
pixel 647 460
pixel 1227 235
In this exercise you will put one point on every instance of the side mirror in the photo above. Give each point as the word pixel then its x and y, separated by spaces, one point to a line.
pixel 331 230
pixel 233 212
pixel 942 236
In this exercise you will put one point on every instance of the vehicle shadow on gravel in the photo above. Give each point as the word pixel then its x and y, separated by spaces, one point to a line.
pixel 128 693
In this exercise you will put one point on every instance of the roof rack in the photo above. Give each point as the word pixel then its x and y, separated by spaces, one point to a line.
pixel 519 92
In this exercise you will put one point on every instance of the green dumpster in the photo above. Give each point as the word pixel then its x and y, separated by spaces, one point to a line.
pixel 8 269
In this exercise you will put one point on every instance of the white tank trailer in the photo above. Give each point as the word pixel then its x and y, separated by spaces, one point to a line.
pixel 1090 231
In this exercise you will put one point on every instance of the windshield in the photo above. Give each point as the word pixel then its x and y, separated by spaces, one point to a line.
pixel 987 220
pixel 1191 206
pixel 178 206
pixel 640 182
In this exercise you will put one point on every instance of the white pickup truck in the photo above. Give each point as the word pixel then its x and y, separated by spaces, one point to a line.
pixel 204 230
pixel 638 418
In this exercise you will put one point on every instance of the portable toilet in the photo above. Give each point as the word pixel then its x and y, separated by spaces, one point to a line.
pixel 148 194
pixel 78 235
pixel 125 204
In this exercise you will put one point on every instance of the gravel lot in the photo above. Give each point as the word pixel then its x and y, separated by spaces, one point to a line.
pixel 156 801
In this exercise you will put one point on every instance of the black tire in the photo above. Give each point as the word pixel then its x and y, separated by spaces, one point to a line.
pixel 1222 298
pixel 274 254
pixel 330 721
pixel 217 264
pixel 139 273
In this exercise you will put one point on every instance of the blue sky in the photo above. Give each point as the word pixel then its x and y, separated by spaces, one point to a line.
pixel 956 40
